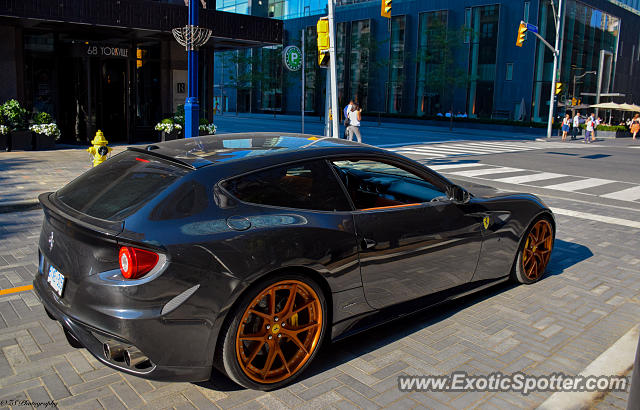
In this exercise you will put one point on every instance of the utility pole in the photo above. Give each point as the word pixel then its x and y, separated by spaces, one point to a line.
pixel 333 71
pixel 556 56
pixel 303 74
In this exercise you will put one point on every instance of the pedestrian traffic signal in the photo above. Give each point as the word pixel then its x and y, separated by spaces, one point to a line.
pixel 522 34
pixel 574 101
pixel 324 41
pixel 385 8
pixel 558 88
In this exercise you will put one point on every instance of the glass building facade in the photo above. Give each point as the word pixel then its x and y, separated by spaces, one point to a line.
pixel 458 55
pixel 590 44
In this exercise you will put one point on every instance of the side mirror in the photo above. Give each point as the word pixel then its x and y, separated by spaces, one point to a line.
pixel 459 194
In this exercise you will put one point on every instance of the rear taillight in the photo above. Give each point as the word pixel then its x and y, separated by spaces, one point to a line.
pixel 135 263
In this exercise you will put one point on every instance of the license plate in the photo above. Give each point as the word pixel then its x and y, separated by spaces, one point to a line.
pixel 56 280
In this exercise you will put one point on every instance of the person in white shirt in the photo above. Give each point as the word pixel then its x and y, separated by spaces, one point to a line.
pixel 590 127
pixel 576 126
pixel 355 116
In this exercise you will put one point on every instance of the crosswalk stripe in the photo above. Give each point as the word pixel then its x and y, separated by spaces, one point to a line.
pixel 422 154
pixel 444 148
pixel 452 166
pixel 477 172
pixel 501 147
pixel 529 178
pixel 629 194
pixel 578 185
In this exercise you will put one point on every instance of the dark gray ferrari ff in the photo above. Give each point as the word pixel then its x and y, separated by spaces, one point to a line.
pixel 247 251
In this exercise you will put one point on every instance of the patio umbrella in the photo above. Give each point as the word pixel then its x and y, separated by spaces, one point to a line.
pixel 629 107
pixel 608 106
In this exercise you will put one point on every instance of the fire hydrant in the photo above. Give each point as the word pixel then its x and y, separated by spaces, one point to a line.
pixel 99 150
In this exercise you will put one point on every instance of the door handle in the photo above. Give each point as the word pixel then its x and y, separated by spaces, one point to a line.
pixel 368 243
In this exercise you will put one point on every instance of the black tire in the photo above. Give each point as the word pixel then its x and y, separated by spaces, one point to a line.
pixel 520 273
pixel 229 355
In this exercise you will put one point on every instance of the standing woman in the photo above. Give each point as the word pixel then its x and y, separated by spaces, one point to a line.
pixel 565 126
pixel 635 125
pixel 355 116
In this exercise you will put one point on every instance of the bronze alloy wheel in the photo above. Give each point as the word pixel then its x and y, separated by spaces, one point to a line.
pixel 537 250
pixel 279 331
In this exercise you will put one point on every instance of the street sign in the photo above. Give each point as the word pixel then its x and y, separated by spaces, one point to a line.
pixel 532 28
pixel 292 58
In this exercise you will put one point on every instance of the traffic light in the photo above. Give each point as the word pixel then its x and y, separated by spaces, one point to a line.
pixel 385 8
pixel 559 88
pixel 574 101
pixel 522 34
pixel 323 41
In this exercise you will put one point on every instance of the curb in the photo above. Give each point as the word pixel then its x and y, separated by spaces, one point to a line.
pixel 19 206
pixel 615 361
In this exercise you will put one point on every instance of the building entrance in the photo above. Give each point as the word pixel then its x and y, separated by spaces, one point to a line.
pixel 112 99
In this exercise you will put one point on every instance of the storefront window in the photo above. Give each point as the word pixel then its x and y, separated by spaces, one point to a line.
pixel 271 84
pixel 482 60
pixel 396 66
pixel 590 41
pixel 148 85
pixel 312 73
pixel 341 53
pixel 432 25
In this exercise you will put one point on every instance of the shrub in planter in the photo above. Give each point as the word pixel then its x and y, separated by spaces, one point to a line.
pixel 169 129
pixel 15 118
pixel 4 134
pixel 45 135
pixel 207 129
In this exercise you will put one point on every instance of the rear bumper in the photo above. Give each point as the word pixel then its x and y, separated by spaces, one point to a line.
pixel 92 338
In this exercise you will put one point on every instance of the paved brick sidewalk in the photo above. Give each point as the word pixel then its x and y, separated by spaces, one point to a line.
pixel 25 174
pixel 561 324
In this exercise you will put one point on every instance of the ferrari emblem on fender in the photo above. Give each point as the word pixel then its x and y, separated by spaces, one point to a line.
pixel 485 222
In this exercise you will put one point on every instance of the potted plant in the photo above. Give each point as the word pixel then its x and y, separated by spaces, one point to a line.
pixel 15 118
pixel 45 131
pixel 205 128
pixel 169 129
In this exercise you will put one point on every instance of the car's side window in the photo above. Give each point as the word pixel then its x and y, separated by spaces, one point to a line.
pixel 374 184
pixel 309 185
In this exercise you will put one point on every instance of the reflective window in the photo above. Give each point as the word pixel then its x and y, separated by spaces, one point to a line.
pixel 359 61
pixel 431 39
pixel 396 65
pixel 482 60
pixel 271 78
pixel 312 73
pixel 374 184
pixel 310 185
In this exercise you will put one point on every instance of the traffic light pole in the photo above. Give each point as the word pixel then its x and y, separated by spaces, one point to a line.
pixel 556 55
pixel 335 111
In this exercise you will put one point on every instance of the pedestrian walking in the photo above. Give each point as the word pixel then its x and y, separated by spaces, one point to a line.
pixel 355 116
pixel 594 123
pixel 565 126
pixel 590 127
pixel 346 112
pixel 635 125
pixel 576 126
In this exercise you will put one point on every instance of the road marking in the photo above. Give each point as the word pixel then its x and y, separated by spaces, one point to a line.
pixel 15 290
pixel 529 178
pixel 449 166
pixel 629 194
pixel 475 172
pixel 578 185
pixel 596 217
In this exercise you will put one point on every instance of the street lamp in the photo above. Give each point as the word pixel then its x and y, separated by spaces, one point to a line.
pixel 577 77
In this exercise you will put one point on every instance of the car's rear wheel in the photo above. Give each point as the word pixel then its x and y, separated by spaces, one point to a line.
pixel 276 330
pixel 535 252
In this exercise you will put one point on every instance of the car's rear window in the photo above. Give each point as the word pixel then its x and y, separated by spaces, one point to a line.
pixel 120 186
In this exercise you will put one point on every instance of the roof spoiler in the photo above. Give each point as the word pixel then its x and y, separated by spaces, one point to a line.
pixel 151 152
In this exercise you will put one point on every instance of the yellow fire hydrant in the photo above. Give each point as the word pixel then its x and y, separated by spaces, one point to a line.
pixel 99 150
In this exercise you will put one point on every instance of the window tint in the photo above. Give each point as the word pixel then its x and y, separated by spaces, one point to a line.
pixel 373 184
pixel 120 186
pixel 311 185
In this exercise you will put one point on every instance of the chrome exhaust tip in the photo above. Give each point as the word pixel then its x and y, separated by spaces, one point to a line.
pixel 134 357
pixel 113 350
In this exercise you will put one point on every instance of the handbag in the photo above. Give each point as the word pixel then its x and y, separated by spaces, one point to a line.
pixel 346 122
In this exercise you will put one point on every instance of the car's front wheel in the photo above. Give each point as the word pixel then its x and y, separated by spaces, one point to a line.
pixel 276 330
pixel 535 252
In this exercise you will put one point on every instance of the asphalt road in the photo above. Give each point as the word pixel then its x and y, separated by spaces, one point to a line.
pixel 589 298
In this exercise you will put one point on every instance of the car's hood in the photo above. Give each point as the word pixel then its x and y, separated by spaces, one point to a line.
pixel 483 191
